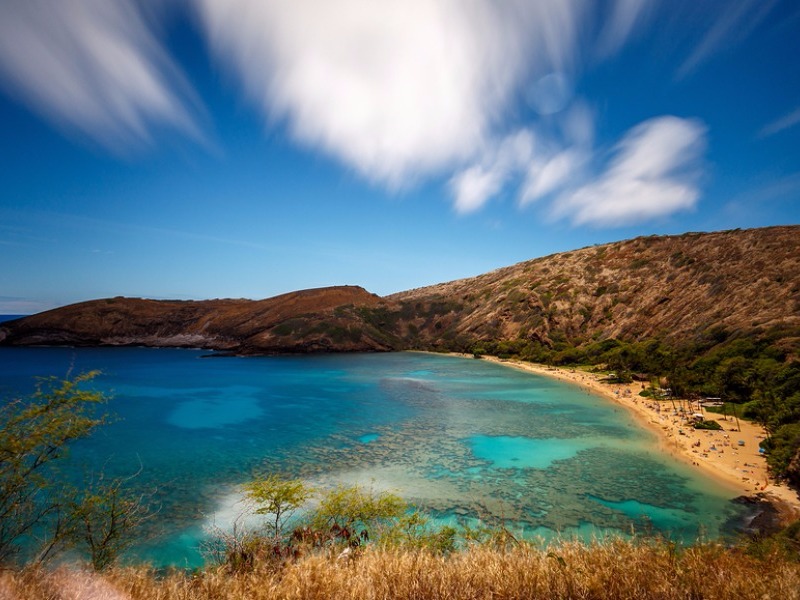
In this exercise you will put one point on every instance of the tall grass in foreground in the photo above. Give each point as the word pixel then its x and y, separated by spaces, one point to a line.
pixel 613 569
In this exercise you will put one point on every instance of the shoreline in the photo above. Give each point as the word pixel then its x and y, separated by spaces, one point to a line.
pixel 716 454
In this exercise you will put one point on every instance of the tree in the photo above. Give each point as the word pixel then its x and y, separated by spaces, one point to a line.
pixel 347 508
pixel 278 497
pixel 34 433
pixel 783 452
pixel 106 517
pixel 734 378
pixel 414 531
pixel 621 360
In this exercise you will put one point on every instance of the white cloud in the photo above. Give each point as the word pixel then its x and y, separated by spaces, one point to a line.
pixel 653 171
pixel 474 186
pixel 94 66
pixel 545 177
pixel 394 88
pixel 548 156
pixel 653 174
pixel 550 94
pixel 785 122
pixel 619 25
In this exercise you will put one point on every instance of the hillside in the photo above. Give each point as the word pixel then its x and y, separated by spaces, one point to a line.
pixel 304 321
pixel 673 288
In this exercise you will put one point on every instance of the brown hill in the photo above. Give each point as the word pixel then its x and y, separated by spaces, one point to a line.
pixel 315 320
pixel 674 288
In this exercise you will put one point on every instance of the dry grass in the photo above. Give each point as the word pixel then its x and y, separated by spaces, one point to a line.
pixel 611 570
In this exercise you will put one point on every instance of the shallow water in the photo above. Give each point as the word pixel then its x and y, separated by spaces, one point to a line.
pixel 460 438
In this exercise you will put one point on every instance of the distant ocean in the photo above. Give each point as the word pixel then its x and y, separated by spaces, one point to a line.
pixel 10 317
pixel 462 439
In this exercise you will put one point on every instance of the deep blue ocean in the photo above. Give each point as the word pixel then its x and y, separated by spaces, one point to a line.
pixel 462 439
pixel 9 317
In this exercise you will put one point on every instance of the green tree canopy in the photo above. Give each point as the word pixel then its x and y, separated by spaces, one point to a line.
pixel 273 495
pixel 35 432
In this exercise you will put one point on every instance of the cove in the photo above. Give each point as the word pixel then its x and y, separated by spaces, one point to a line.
pixel 462 439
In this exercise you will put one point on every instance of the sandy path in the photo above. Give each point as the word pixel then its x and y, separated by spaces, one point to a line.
pixel 717 453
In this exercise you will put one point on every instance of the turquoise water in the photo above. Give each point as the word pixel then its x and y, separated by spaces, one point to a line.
pixel 460 438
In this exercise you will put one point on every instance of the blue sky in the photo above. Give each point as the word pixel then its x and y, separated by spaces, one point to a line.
pixel 246 148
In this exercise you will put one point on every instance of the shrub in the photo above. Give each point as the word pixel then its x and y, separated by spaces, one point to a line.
pixel 34 434
pixel 712 425
pixel 351 508
pixel 273 495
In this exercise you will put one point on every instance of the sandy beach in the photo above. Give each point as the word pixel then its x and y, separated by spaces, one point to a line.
pixel 719 454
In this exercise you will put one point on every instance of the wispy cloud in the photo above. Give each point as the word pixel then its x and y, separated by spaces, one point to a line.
pixel 11 235
pixel 563 155
pixel 401 90
pixel 654 173
pixel 729 24
pixel 552 174
pixel 767 189
pixel 785 122
pixel 545 155
pixel 395 89
pixel 94 67
pixel 621 23
pixel 475 185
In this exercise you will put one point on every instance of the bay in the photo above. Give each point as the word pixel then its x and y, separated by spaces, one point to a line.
pixel 462 439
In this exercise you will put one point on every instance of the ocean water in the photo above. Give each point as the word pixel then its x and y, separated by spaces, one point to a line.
pixel 462 439
pixel 9 317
